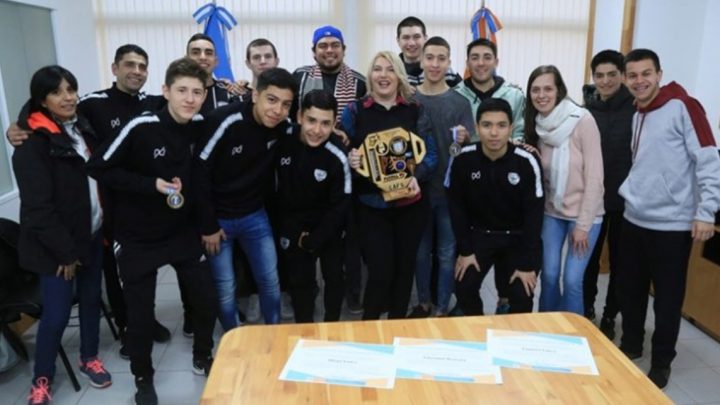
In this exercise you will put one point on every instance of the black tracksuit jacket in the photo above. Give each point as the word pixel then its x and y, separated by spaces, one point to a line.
pixel 233 164
pixel 150 146
pixel 498 197
pixel 314 188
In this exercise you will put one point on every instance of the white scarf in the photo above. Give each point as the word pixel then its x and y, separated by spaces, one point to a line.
pixel 555 130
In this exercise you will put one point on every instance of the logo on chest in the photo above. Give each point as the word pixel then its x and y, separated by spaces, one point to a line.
pixel 236 150
pixel 159 152
pixel 513 178
pixel 475 175
pixel 320 175
pixel 115 123
pixel 285 161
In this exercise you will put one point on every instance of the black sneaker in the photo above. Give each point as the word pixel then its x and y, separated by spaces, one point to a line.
pixel 590 314
pixel 161 334
pixel 201 366
pixel 187 327
pixel 630 354
pixel 354 305
pixel 659 376
pixel 145 394
pixel 124 353
pixel 607 327
pixel 419 312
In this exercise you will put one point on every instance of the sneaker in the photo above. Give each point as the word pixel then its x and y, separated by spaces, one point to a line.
pixel 419 312
pixel 286 309
pixel 659 376
pixel 607 327
pixel 456 311
pixel 94 370
pixel 253 309
pixel 161 334
pixel 40 392
pixel 145 394
pixel 630 354
pixel 353 304
pixel 590 314
pixel 187 327
pixel 201 366
pixel 123 352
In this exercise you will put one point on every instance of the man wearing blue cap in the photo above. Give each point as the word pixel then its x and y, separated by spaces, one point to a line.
pixel 329 72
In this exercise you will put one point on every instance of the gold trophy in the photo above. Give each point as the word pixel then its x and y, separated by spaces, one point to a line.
pixel 389 159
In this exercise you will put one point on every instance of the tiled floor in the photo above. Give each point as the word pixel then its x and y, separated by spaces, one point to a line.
pixel 695 377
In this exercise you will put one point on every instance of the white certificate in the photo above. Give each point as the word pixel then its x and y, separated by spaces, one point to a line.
pixel 341 363
pixel 445 360
pixel 541 351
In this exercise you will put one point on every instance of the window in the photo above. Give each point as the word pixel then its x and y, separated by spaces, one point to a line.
pixel 535 32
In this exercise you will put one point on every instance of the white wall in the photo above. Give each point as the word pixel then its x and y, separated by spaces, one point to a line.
pixel 684 35
pixel 74 29
pixel 608 25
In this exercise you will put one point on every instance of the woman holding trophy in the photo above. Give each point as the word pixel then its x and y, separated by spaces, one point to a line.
pixel 393 154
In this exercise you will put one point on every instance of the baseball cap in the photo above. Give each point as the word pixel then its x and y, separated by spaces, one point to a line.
pixel 327 31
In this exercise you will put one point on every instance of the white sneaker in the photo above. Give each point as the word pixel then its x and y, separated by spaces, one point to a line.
pixel 286 309
pixel 253 309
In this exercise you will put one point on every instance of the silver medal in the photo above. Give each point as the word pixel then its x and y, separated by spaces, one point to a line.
pixel 455 149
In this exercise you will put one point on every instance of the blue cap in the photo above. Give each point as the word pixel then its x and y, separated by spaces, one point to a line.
pixel 327 31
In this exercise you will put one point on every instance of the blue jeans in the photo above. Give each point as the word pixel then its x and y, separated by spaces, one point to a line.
pixel 254 234
pixel 57 299
pixel 555 232
pixel 445 250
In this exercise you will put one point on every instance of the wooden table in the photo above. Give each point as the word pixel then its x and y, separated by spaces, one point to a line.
pixel 250 359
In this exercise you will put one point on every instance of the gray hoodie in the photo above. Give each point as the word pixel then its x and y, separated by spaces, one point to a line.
pixel 675 176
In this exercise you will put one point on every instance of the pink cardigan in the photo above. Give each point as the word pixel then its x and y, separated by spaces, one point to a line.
pixel 583 200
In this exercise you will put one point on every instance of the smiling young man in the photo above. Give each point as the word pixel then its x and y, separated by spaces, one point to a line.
pixel 329 72
pixel 611 104
pixel 233 175
pixel 148 168
pixel 447 110
pixel 496 203
pixel 201 49
pixel 484 83
pixel 313 199
pixel 671 196
pixel 411 37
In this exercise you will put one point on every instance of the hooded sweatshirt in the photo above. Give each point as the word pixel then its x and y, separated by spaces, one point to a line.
pixel 675 176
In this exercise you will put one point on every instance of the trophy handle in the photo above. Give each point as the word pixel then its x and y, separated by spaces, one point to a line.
pixel 363 168
pixel 418 146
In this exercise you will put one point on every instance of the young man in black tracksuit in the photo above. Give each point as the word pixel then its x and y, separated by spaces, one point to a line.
pixel 201 49
pixel 148 167
pixel 108 111
pixel 313 197
pixel 233 174
pixel 495 197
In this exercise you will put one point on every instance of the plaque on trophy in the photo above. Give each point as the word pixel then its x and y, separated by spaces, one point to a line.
pixel 388 158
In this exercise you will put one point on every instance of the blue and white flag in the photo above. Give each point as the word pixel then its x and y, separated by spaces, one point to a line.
pixel 217 22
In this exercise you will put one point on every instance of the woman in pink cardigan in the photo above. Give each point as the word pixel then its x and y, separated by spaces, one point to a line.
pixel 569 142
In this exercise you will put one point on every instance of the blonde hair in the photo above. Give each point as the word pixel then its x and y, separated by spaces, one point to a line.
pixel 404 88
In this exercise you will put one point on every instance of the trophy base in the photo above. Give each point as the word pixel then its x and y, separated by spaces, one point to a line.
pixel 396 194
